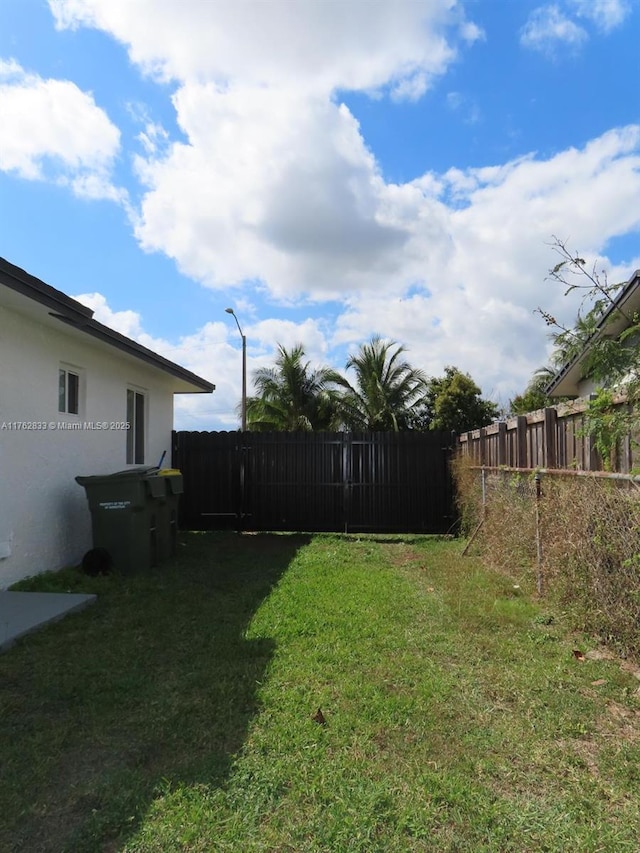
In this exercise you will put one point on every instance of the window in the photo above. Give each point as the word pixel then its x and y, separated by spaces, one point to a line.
pixel 135 433
pixel 68 391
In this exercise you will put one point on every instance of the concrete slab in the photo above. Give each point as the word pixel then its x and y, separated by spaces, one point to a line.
pixel 24 612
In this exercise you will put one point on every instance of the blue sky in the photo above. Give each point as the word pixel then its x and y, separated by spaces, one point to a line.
pixel 329 169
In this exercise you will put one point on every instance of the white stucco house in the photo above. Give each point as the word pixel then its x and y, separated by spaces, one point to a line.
pixel 68 387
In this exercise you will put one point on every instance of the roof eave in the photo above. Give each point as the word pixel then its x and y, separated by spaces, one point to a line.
pixel 78 316
pixel 565 382
pixel 130 347
pixel 28 285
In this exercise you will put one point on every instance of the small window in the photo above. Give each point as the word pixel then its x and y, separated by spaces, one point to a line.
pixel 135 433
pixel 68 391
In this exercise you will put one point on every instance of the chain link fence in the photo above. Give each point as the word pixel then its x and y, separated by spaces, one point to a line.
pixel 573 536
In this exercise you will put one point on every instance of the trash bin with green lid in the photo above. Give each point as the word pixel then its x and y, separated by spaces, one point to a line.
pixel 168 519
pixel 126 509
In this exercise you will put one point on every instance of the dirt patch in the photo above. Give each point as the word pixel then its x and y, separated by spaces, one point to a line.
pixel 588 752
pixel 620 723
pixel 404 556
pixel 604 654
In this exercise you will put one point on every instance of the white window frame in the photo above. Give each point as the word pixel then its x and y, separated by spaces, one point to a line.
pixel 71 382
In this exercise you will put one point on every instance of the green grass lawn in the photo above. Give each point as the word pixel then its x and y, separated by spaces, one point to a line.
pixel 176 714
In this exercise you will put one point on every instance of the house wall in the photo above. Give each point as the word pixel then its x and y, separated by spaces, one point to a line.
pixel 586 387
pixel 44 518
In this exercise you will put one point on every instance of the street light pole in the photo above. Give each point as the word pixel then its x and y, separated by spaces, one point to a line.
pixel 244 369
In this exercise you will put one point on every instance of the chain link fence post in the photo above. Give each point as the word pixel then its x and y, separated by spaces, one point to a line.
pixel 538 482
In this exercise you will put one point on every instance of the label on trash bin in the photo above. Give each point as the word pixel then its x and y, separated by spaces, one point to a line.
pixel 114 504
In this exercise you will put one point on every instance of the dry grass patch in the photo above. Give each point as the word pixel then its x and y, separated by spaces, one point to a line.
pixel 587 530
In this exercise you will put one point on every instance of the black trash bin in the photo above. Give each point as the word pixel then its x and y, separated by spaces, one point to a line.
pixel 128 509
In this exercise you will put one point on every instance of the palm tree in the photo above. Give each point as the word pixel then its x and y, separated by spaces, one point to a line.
pixel 291 396
pixel 535 395
pixel 386 391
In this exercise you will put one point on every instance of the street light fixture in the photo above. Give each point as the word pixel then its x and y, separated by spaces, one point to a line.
pixel 244 369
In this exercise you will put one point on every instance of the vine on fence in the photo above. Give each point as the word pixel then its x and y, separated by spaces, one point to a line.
pixel 608 424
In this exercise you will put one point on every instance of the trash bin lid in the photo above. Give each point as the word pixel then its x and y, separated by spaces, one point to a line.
pixel 141 473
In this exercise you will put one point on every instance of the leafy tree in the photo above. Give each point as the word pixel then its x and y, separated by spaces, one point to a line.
pixel 386 391
pixel 534 396
pixel 453 402
pixel 291 396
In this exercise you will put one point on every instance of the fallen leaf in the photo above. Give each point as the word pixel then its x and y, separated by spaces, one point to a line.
pixel 578 655
pixel 599 682
pixel 318 717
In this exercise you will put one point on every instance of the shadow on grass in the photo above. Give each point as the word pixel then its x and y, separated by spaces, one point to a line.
pixel 154 687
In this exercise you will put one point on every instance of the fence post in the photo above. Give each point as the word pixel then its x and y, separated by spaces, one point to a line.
pixel 521 442
pixel 482 440
pixel 626 451
pixel 461 443
pixel 550 454
pixel 592 457
pixel 484 513
pixel 538 536
pixel 502 444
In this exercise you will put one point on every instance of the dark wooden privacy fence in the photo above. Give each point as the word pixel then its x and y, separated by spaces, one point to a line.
pixel 316 481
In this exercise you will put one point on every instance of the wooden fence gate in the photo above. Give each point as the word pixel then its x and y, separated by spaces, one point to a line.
pixel 316 481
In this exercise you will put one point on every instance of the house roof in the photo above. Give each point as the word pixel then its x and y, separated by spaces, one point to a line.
pixel 613 322
pixel 62 308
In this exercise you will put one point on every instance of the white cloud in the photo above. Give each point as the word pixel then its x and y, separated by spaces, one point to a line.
pixel 605 14
pixel 471 279
pixel 411 88
pixel 549 29
pixel 51 129
pixel 471 32
pixel 128 323
pixel 153 138
pixel 475 241
pixel 481 263
pixel 308 333
pixel 274 183
pixel 464 106
pixel 317 46
pixel 466 282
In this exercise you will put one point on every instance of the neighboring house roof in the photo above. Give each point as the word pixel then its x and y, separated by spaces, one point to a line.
pixel 51 306
pixel 613 322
